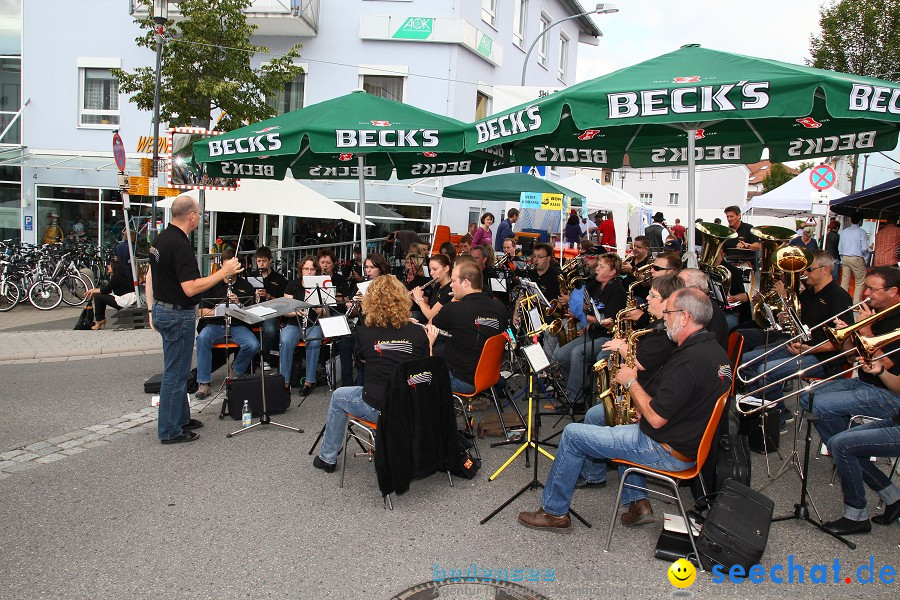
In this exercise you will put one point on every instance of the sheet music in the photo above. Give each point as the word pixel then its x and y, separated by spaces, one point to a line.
pixel 256 282
pixel 260 311
pixel 675 524
pixel 362 286
pixel 498 285
pixel 315 286
pixel 536 356
pixel 334 326
pixel 534 316
pixel 597 314
pixel 219 310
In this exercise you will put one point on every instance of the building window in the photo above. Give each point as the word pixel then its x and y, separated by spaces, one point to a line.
pixel 99 98
pixel 544 48
pixel 676 174
pixel 673 199
pixel 646 198
pixel 519 22
pixel 291 97
pixel 482 105
pixel 10 86
pixel 607 176
pixel 384 86
pixel 563 56
pixel 489 12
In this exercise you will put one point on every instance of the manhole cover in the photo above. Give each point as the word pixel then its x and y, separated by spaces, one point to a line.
pixel 486 590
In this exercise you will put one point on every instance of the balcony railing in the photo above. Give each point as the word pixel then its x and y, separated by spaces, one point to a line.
pixel 297 18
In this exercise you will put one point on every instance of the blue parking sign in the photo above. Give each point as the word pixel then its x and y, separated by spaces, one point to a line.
pixel 29 223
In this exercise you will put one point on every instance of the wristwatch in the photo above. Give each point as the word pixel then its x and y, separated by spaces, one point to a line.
pixel 629 383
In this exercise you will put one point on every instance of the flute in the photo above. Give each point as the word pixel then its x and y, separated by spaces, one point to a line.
pixel 440 331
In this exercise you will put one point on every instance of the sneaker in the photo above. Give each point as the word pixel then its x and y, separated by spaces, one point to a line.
pixel 788 416
pixel 203 391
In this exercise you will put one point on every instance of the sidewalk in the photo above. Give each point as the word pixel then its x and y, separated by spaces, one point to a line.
pixel 30 335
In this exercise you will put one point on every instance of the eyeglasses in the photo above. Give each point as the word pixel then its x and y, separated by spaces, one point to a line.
pixel 669 312
pixel 541 257
pixel 658 268
pixel 811 269
pixel 874 289
pixel 653 296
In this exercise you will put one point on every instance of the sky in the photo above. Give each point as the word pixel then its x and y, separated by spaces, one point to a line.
pixel 643 29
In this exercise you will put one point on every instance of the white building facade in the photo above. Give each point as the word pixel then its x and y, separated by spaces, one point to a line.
pixel 440 56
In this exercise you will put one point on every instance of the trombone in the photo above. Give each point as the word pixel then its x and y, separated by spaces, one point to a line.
pixel 805 334
pixel 865 346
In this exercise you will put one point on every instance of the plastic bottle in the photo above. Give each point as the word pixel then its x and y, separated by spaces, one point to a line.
pixel 247 415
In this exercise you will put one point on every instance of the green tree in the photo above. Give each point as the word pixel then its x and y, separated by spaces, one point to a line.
pixel 805 166
pixel 860 37
pixel 778 175
pixel 206 67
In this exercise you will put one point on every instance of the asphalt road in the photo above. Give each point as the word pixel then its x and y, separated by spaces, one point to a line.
pixel 249 517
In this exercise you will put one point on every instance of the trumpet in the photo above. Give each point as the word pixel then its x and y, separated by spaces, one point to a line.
pixel 836 336
pixel 804 334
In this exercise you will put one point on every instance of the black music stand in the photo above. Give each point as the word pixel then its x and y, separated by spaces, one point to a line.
pixel 257 314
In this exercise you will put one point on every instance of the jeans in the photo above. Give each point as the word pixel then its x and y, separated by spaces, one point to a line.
pixel 756 338
pixel 290 335
pixel 344 401
pixel 177 330
pixel 836 401
pixel 460 386
pixel 781 364
pixel 101 301
pixel 210 335
pixel 732 319
pixel 851 450
pixel 584 450
pixel 571 358
pixel 269 336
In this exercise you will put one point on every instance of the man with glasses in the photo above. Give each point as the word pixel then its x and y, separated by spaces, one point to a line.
pixel 173 283
pixel 718 323
pixel 666 263
pixel 641 254
pixel 835 402
pixel 671 425
pixel 822 298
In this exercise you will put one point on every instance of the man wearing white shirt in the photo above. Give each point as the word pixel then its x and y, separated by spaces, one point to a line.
pixel 853 247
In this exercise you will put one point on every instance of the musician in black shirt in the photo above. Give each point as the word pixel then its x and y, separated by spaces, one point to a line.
pixel 387 339
pixel 274 284
pixel 609 299
pixel 212 328
pixel 303 324
pixel 441 295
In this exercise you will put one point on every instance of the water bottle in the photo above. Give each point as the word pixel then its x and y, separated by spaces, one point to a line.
pixel 247 415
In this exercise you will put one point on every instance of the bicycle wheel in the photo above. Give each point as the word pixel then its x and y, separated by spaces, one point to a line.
pixel 9 296
pixel 44 295
pixel 73 289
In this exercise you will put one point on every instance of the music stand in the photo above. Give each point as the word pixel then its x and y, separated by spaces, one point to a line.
pixel 258 313
pixel 537 361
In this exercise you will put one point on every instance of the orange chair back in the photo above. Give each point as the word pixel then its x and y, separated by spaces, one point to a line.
pixel 735 350
pixel 441 236
pixel 487 373
pixel 710 433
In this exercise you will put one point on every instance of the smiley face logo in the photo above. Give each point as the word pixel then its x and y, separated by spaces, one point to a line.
pixel 682 573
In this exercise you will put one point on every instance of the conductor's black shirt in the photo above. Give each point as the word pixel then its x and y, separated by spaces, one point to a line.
pixel 172 262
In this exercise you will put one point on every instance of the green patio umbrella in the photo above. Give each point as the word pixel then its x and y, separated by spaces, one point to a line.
pixel 697 106
pixel 510 187
pixel 355 136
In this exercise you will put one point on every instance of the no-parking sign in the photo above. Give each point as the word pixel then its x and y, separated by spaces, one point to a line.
pixel 822 177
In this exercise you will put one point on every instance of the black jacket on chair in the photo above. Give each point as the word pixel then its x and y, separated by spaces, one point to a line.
pixel 417 427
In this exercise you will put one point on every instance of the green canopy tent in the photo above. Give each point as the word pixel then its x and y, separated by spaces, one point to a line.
pixel 355 136
pixel 510 187
pixel 697 106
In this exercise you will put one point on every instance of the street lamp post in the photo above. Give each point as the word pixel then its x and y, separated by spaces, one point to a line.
pixel 160 17
pixel 601 9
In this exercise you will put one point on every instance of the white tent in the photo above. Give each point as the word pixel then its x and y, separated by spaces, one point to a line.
pixel 793 199
pixel 607 198
pixel 270 197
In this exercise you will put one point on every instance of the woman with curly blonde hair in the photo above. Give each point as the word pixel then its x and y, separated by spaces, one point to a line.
pixel 387 339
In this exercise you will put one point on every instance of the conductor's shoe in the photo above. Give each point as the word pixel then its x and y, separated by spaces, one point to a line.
pixel 542 520
pixel 187 436
pixel 193 424
pixel 203 391
pixel 845 526
pixel 891 514
pixel 639 513
pixel 321 464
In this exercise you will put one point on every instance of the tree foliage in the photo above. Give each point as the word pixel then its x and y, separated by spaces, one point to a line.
pixel 778 175
pixel 860 37
pixel 206 67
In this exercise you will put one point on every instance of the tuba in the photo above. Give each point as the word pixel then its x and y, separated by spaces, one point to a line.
pixel 777 258
pixel 714 237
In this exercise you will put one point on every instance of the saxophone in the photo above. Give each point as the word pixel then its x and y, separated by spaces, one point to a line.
pixel 616 400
